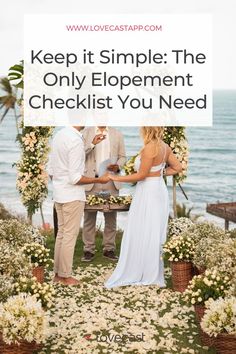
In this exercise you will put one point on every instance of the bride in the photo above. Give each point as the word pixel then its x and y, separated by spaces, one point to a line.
pixel 140 261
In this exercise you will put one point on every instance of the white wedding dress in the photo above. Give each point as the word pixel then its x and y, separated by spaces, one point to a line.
pixel 140 261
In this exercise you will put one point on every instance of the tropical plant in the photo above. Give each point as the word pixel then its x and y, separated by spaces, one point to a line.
pixel 8 100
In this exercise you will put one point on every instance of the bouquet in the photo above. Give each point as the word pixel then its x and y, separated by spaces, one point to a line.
pixel 179 249
pixel 129 166
pixel 220 317
pixel 22 318
pixel 38 254
pixel 211 285
pixel 178 225
pixel 42 291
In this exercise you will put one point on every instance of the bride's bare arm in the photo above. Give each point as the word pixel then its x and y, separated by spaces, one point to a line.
pixel 174 166
pixel 145 166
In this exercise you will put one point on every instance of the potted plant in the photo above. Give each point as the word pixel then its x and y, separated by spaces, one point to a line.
pixel 219 321
pixel 179 251
pixel 39 257
pixel 23 324
pixel 211 285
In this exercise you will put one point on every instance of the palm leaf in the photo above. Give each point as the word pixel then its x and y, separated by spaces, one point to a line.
pixel 15 75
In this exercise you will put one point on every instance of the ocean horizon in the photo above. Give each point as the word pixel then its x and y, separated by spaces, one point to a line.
pixel 211 173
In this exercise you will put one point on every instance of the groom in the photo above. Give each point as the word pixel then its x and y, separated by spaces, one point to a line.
pixel 66 169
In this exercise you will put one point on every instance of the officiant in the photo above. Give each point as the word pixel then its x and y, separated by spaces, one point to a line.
pixel 105 149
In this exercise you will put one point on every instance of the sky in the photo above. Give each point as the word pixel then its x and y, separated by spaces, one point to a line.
pixel 224 26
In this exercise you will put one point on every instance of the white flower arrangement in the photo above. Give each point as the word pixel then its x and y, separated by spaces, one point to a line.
pixel 22 318
pixel 6 287
pixel 175 137
pixel 121 200
pixel 211 285
pixel 220 317
pixel 178 225
pixel 43 292
pixel 93 199
pixel 98 200
pixel 12 261
pixel 206 236
pixel 32 178
pixel 37 254
pixel 221 254
pixel 179 248
pixel 17 233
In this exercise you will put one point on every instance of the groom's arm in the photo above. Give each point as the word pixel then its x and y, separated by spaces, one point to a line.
pixel 76 162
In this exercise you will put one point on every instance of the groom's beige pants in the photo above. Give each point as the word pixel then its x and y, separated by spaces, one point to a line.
pixel 69 218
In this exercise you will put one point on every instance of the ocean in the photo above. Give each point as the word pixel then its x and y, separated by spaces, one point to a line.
pixel 211 173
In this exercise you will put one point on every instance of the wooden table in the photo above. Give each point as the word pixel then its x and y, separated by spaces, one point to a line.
pixel 226 211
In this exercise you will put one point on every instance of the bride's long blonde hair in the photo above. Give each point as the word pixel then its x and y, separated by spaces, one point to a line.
pixel 152 135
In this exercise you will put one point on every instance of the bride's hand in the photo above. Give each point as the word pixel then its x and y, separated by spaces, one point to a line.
pixel 113 177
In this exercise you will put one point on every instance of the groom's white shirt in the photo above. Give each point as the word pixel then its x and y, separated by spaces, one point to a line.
pixel 67 165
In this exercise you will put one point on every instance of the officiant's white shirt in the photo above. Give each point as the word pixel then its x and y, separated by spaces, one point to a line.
pixel 103 149
pixel 67 165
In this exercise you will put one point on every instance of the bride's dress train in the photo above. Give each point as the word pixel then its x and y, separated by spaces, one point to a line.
pixel 140 261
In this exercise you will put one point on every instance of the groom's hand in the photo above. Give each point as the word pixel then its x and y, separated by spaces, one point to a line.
pixel 98 138
pixel 104 179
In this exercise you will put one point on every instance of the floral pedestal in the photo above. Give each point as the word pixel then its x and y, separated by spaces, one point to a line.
pixel 225 343
pixel 205 338
pixel 182 273
pixel 38 272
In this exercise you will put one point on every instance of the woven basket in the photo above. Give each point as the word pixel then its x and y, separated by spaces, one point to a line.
pixel 205 338
pixel 182 273
pixel 22 348
pixel 38 272
pixel 225 343
pixel 1 343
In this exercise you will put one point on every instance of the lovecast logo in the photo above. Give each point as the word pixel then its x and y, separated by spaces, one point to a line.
pixel 116 338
